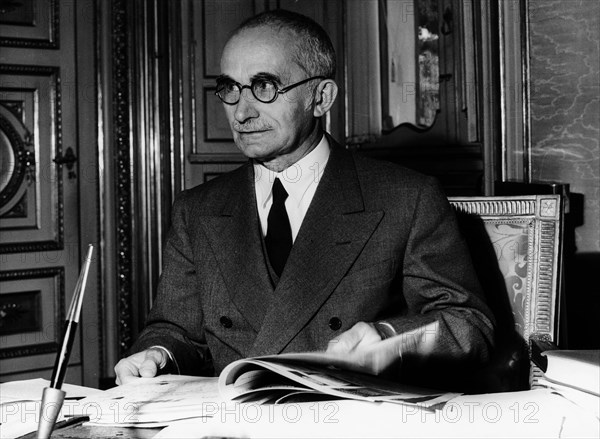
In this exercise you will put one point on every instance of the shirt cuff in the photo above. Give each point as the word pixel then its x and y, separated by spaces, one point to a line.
pixel 385 329
pixel 170 357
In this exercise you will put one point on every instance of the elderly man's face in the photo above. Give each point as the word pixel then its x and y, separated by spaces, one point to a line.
pixel 285 126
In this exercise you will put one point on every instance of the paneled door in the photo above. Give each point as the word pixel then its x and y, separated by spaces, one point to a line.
pixel 42 181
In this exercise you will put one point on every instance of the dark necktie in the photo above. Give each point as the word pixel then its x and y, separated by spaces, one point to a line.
pixel 279 233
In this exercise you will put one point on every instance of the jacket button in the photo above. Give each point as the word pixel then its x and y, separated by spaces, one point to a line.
pixel 226 322
pixel 335 323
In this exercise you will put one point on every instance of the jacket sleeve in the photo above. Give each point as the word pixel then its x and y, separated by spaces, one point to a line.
pixel 176 319
pixel 447 326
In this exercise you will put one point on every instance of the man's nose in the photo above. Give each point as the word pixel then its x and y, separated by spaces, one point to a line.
pixel 245 108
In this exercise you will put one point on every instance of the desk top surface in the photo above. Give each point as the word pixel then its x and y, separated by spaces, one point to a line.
pixel 535 413
pixel 520 414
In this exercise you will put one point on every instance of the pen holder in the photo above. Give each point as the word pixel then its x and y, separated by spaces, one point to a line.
pixel 52 401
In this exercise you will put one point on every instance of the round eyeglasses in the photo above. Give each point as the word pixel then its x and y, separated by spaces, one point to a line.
pixel 264 90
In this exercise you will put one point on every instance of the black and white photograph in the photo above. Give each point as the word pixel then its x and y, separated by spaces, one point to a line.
pixel 295 219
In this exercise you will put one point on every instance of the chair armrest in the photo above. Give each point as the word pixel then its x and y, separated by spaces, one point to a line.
pixel 538 346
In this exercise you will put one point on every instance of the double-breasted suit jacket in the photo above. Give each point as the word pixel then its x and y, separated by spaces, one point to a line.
pixel 378 242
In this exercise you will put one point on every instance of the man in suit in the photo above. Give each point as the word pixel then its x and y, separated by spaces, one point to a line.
pixel 308 246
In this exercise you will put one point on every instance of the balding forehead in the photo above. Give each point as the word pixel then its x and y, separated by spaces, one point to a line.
pixel 270 35
pixel 258 48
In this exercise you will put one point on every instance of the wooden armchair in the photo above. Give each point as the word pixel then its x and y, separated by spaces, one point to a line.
pixel 516 246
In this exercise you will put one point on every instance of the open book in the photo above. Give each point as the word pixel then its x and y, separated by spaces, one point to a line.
pixel 302 377
pixel 277 379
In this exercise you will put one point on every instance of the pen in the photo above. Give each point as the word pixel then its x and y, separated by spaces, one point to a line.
pixel 53 397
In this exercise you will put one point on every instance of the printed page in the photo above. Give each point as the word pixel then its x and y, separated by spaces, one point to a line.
pixel 302 373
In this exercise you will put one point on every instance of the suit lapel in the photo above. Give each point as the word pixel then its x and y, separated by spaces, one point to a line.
pixel 234 236
pixel 333 233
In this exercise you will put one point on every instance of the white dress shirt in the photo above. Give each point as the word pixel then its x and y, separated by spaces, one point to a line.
pixel 300 181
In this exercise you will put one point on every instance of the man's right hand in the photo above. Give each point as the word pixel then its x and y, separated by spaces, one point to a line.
pixel 142 364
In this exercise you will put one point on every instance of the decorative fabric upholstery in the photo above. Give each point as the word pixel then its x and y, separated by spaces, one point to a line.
pixel 511 243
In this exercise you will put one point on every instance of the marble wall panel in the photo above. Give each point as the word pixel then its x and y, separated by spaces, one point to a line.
pixel 565 109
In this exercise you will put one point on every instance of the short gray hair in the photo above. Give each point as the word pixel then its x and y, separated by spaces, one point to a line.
pixel 314 52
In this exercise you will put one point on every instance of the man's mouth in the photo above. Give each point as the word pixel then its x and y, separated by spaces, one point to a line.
pixel 247 132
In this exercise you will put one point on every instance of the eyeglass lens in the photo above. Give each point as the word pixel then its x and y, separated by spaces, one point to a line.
pixel 262 89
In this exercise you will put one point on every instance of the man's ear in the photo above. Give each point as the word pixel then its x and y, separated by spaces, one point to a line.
pixel 325 95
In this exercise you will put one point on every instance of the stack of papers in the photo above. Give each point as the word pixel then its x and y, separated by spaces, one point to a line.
pixel 575 375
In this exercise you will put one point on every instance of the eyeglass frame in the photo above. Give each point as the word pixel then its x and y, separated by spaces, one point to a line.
pixel 277 90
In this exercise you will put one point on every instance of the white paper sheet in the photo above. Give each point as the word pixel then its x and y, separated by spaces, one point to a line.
pixel 20 404
pixel 152 401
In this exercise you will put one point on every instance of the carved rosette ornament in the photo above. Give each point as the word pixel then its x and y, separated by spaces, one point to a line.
pixel 17 169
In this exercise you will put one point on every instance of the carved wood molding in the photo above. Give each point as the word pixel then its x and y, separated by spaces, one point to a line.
pixel 513 41
pixel 147 145
pixel 54 74
pixel 58 273
pixel 51 7
pixel 544 311
pixel 44 348
pixel 21 167
pixel 498 207
pixel 122 138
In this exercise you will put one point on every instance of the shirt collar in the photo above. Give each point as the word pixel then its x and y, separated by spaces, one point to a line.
pixel 297 178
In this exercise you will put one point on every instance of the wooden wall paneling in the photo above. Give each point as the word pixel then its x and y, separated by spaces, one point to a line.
pixel 122 149
pixel 213 22
pixel 110 65
pixel 31 113
pixel 31 24
pixel 18 161
pixel 515 147
pixel 90 176
pixel 41 242
pixel 149 167
pixel 478 104
pixel 454 148
pixel 32 304
pixel 488 90
pixel 207 136
pixel 172 102
pixel 219 19
pixel 140 155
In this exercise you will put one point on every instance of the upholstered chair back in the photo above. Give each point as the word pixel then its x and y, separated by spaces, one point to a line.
pixel 516 247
